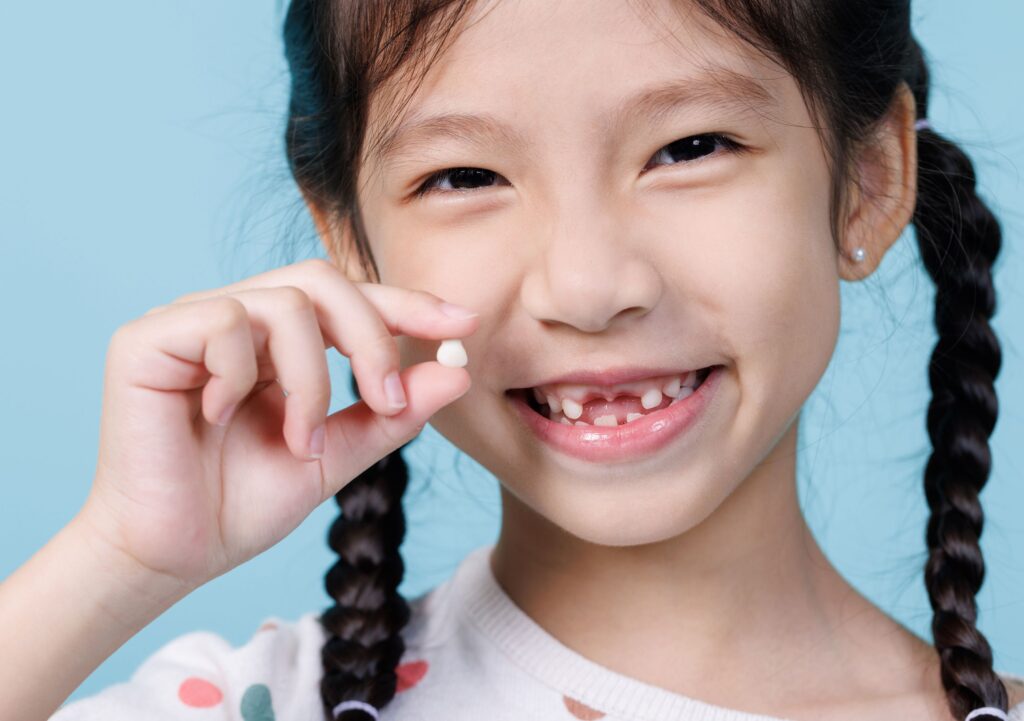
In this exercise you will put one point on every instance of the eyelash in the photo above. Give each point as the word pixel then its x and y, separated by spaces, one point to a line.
pixel 731 146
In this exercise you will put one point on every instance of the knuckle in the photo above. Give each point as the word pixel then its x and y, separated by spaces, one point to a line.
pixel 122 336
pixel 293 298
pixel 385 348
pixel 227 313
pixel 319 266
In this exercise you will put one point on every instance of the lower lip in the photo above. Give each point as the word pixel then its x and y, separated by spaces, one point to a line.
pixel 630 441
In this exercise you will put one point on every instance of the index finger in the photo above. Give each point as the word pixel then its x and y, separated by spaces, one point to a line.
pixel 403 311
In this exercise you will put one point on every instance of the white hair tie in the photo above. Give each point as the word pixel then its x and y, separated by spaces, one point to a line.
pixel 362 705
pixel 998 713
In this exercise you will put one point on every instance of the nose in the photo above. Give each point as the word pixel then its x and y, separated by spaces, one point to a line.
pixel 589 269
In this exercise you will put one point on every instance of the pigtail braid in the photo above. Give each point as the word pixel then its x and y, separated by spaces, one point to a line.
pixel 365 623
pixel 959 240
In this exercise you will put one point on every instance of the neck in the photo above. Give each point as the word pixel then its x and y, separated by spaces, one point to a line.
pixel 744 598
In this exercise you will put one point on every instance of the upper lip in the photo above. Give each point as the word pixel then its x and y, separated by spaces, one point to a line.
pixel 612 376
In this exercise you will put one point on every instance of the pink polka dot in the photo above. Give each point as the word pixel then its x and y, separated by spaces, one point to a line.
pixel 409 674
pixel 199 693
pixel 580 710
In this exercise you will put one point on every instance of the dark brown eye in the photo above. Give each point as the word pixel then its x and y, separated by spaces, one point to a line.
pixel 460 179
pixel 695 148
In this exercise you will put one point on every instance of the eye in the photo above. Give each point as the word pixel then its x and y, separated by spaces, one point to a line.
pixel 691 149
pixel 695 148
pixel 458 178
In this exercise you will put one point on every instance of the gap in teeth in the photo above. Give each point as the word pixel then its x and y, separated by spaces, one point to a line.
pixel 568 411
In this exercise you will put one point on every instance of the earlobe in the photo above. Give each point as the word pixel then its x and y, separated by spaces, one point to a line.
pixel 885 190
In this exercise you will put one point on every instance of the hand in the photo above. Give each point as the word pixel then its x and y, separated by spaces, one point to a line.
pixel 186 497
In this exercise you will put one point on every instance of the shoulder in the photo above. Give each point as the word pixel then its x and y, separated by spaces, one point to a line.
pixel 202 670
pixel 274 673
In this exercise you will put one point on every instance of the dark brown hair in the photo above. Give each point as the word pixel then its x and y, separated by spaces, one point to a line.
pixel 849 60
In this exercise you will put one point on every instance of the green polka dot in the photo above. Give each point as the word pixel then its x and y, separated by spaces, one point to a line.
pixel 256 705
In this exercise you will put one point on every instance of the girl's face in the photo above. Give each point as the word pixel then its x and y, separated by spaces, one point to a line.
pixel 589 239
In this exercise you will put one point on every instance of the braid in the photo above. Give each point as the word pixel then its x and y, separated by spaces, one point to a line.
pixel 959 240
pixel 364 625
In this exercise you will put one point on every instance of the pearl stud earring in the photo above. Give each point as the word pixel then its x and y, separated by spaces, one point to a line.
pixel 859 254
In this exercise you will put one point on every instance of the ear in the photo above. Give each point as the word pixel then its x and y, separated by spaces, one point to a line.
pixel 338 239
pixel 882 203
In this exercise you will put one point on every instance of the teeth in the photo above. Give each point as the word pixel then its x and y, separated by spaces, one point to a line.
pixel 651 398
pixel 671 389
pixel 571 409
pixel 566 401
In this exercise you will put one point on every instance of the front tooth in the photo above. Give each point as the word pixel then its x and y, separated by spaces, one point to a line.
pixel 556 405
pixel 671 389
pixel 571 408
pixel 608 420
pixel 565 421
pixel 582 423
pixel 538 396
pixel 691 379
pixel 630 417
pixel 651 398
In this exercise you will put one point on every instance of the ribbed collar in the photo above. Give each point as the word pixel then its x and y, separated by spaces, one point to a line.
pixel 479 599
pixel 496 616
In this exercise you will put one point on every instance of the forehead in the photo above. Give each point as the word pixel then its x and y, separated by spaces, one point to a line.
pixel 517 64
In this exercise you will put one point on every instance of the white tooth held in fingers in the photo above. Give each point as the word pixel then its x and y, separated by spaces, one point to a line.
pixel 452 354
pixel 671 389
pixel 571 408
pixel 608 420
pixel 630 417
pixel 651 398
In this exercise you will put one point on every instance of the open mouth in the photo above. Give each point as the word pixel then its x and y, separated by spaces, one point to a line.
pixel 619 411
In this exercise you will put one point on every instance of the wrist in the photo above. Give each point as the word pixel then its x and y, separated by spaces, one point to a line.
pixel 124 590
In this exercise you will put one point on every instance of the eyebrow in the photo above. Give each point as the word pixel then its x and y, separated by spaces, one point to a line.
pixel 724 91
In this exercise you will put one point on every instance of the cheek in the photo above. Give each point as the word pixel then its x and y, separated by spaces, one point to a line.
pixel 767 279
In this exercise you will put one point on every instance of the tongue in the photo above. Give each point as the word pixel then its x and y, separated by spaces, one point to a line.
pixel 618 408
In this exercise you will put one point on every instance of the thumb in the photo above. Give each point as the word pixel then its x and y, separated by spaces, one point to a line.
pixel 356 437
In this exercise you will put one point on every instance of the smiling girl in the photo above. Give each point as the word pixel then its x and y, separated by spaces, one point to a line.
pixel 650 207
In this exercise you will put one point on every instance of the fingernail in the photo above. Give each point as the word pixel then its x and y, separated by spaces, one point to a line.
pixel 316 441
pixel 457 311
pixel 393 390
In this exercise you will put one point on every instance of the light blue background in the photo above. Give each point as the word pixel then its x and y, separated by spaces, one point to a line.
pixel 141 158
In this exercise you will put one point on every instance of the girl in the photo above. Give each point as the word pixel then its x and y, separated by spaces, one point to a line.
pixel 650 206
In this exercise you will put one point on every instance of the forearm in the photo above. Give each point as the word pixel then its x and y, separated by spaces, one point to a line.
pixel 64 612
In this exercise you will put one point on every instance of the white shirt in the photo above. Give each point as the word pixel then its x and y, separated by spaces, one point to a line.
pixel 471 654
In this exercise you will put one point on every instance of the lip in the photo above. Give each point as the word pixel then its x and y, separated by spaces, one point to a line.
pixel 643 437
